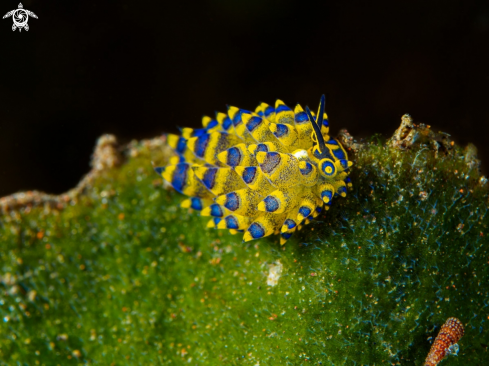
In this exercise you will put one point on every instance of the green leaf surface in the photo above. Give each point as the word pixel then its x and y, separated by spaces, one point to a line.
pixel 127 277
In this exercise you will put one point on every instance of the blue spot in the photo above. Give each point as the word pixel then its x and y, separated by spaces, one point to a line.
pixel 231 222
pixel 271 204
pixel 181 145
pixel 286 236
pixel 256 231
pixel 339 154
pixel 344 163
pixel 301 117
pixel 212 124
pixel 319 209
pixel 253 123
pixel 307 170
pixel 217 220
pixel 249 174
pixel 328 194
pixel 216 210
pixel 196 203
pixel 269 110
pixel 261 114
pixel 209 178
pixel 237 118
pixel 282 108
pixel 234 156
pixel 261 147
pixel 325 122
pixel 271 162
pixel 226 123
pixel 305 211
pixel 232 201
pixel 347 180
pixel 160 169
pixel 290 224
pixel 199 132
pixel 201 145
pixel 179 178
pixel 332 142
pixel 341 190
pixel 181 159
pixel 281 130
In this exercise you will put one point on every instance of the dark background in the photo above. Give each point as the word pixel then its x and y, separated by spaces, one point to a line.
pixel 138 68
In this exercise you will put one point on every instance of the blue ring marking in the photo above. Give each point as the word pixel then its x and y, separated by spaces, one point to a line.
pixel 226 123
pixel 301 117
pixel 234 156
pixel 216 210
pixel 305 211
pixel 232 201
pixel 253 123
pixel 231 222
pixel 282 108
pixel 307 170
pixel 196 203
pixel 179 178
pixel 256 231
pixel 249 174
pixel 209 178
pixel 271 204
pixel 181 145
pixel 201 145
pixel 290 224
pixel 328 194
pixel 269 110
pixel 326 164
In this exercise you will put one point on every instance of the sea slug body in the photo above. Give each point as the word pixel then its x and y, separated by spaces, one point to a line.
pixel 266 172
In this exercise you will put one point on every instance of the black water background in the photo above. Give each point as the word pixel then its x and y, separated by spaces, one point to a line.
pixel 140 68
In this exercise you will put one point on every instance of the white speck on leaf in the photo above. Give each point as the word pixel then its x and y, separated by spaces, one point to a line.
pixel 275 271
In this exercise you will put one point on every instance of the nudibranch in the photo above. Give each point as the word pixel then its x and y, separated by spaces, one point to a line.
pixel 270 171
pixel 445 342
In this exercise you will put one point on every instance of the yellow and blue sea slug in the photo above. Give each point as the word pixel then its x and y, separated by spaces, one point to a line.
pixel 270 171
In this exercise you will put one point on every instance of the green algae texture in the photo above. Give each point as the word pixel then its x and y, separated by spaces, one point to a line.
pixel 124 276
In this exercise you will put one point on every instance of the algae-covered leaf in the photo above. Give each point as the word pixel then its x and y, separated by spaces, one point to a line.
pixel 118 273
